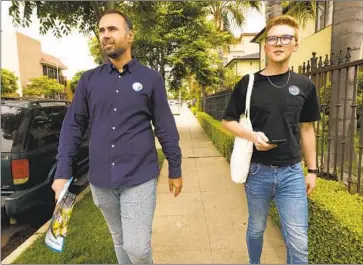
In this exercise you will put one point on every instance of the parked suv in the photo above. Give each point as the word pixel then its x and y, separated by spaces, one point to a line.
pixel 30 130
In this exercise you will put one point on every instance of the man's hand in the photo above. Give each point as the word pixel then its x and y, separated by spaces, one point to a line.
pixel 176 185
pixel 261 142
pixel 310 182
pixel 58 185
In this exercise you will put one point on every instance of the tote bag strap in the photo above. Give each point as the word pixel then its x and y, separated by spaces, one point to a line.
pixel 248 95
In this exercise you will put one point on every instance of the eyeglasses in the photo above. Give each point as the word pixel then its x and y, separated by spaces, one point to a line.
pixel 284 40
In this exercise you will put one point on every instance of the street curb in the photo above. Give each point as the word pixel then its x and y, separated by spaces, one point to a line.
pixel 23 247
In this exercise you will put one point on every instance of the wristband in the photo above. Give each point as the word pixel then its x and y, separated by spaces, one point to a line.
pixel 313 171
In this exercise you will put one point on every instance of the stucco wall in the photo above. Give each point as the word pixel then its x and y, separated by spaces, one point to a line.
pixel 9 55
pixel 29 52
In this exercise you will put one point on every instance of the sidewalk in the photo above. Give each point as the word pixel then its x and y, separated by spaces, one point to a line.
pixel 207 222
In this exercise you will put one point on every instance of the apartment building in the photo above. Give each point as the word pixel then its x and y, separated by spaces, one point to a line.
pixel 23 55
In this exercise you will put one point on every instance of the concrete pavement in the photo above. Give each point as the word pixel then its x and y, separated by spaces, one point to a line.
pixel 207 222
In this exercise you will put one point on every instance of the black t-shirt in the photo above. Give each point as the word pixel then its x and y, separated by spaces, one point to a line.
pixel 276 112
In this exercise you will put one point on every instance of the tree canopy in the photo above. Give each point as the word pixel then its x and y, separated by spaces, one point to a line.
pixel 43 86
pixel 175 38
pixel 9 82
pixel 75 79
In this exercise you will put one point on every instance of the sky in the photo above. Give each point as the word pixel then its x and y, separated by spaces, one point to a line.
pixel 73 49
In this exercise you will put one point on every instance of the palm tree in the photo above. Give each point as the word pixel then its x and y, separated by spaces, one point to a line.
pixel 300 10
pixel 273 9
pixel 346 32
pixel 228 13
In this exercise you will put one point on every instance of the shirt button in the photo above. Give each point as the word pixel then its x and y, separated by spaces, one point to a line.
pixel 116 91
pixel 113 128
pixel 113 145
pixel 114 109
pixel 113 164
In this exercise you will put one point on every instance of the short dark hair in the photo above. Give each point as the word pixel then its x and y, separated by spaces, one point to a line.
pixel 126 18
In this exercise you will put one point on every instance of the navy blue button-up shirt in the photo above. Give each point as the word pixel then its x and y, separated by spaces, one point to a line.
pixel 118 109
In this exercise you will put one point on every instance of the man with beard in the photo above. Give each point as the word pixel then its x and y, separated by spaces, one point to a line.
pixel 284 106
pixel 117 101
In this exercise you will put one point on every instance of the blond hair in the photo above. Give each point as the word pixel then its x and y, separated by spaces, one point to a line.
pixel 283 20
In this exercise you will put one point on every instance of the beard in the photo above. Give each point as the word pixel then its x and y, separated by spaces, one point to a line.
pixel 114 53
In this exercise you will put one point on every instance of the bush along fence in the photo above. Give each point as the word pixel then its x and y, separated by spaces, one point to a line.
pixel 339 84
pixel 335 216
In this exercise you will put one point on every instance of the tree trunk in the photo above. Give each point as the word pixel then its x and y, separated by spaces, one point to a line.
pixel 98 15
pixel 109 5
pixel 202 100
pixel 346 32
pixel 97 10
pixel 162 63
pixel 273 9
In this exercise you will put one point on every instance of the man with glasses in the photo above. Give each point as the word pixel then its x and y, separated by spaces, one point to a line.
pixel 284 106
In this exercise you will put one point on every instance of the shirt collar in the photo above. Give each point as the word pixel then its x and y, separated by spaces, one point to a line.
pixel 127 67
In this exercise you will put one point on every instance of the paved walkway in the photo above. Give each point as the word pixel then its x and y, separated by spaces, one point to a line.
pixel 207 222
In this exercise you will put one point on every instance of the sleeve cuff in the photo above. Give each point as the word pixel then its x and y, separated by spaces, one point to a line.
pixel 174 173
pixel 63 172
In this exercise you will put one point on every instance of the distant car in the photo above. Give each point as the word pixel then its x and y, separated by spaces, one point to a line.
pixel 173 102
pixel 30 130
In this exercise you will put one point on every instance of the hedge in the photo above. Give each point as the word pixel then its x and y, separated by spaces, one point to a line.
pixel 161 157
pixel 221 138
pixel 335 216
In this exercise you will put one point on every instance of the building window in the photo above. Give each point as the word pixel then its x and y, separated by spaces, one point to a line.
pixel 52 73
pixel 324 14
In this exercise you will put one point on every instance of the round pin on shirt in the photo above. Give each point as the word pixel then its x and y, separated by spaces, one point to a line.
pixel 137 86
pixel 294 90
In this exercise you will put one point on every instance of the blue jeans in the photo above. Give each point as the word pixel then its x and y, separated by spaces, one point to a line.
pixel 286 186
pixel 129 214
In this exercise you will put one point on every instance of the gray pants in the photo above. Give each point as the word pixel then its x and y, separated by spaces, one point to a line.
pixel 129 216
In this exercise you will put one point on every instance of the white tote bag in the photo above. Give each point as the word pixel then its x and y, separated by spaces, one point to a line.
pixel 242 148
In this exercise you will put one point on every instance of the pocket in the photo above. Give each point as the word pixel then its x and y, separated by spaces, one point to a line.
pixel 254 168
pixel 296 168
pixel 292 113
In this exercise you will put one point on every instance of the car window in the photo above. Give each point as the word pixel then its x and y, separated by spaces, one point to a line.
pixel 45 127
pixel 11 119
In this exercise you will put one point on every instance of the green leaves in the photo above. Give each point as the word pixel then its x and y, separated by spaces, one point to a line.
pixel 95 50
pixel 75 79
pixel 335 224
pixel 9 82
pixel 43 86
pixel 58 17
pixel 231 13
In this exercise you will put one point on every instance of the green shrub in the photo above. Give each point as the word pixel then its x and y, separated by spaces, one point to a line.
pixel 221 138
pixel 194 110
pixel 161 157
pixel 335 216
pixel 9 82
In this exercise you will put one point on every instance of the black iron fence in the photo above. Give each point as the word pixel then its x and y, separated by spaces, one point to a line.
pixel 339 133
pixel 215 104
pixel 339 137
